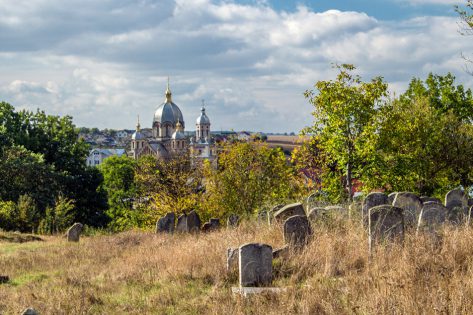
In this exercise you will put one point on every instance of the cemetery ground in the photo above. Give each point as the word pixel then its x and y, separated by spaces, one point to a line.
pixel 140 272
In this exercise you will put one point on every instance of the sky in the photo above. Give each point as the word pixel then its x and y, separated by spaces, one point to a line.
pixel 104 62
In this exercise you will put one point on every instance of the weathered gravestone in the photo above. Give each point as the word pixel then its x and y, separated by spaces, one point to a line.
pixel 232 258
pixel 336 209
pixel 233 221
pixel 282 252
pixel 316 213
pixel 166 223
pixel 425 199
pixel 411 204
pixel 29 311
pixel 371 200
pixel 297 231
pixel 432 216
pixel 73 233
pixel 181 226
pixel 212 225
pixel 255 265
pixel 456 201
pixel 193 222
pixel 391 197
pixel 289 211
pixel 385 222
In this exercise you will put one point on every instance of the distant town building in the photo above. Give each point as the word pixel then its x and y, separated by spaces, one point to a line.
pixel 244 136
pixel 97 156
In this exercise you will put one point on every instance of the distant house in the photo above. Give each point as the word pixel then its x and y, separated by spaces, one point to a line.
pixel 97 156
pixel 123 134
pixel 244 136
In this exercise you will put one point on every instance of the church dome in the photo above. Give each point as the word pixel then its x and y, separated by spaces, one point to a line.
pixel 137 135
pixel 168 111
pixel 179 133
pixel 202 119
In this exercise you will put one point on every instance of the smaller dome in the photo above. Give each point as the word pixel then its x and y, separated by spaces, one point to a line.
pixel 137 135
pixel 179 133
pixel 202 119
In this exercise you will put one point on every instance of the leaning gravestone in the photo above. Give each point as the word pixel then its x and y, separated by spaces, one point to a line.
pixel 385 222
pixel 73 234
pixel 297 231
pixel 166 223
pixel 372 200
pixel 432 216
pixel 255 265
pixel 456 202
pixel 233 221
pixel 181 226
pixel 411 204
pixel 289 211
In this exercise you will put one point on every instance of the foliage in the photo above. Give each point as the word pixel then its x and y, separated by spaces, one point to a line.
pixel 466 22
pixel 58 218
pixel 344 110
pixel 167 185
pixel 8 215
pixel 118 182
pixel 249 176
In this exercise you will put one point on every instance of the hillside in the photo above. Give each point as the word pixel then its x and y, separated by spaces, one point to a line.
pixel 145 273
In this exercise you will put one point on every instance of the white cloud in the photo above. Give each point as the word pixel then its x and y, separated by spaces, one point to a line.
pixel 105 62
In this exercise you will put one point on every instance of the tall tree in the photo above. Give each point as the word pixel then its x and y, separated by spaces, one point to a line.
pixel 343 111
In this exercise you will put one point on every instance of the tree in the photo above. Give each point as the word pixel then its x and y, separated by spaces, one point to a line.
pixel 344 109
pixel 249 177
pixel 466 22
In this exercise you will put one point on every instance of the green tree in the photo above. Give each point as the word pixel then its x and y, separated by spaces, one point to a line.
pixel 344 110
pixel 249 176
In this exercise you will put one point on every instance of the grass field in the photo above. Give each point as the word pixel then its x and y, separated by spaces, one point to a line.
pixel 143 273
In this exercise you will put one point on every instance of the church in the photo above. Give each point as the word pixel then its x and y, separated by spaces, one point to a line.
pixel 168 136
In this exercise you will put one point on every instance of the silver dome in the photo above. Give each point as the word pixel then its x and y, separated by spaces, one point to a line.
pixel 178 135
pixel 137 135
pixel 202 119
pixel 168 112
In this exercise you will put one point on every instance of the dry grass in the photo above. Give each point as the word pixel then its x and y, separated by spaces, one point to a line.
pixel 144 273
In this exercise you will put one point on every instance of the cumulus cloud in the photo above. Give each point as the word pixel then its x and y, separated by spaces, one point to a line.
pixel 104 62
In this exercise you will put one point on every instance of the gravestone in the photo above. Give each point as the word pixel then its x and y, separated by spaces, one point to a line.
pixel 193 222
pixel 316 213
pixel 255 265
pixel 4 279
pixel 29 311
pixel 371 200
pixel 73 233
pixel 181 226
pixel 338 209
pixel 263 216
pixel 456 201
pixel 289 211
pixel 166 224
pixel 297 231
pixel 385 222
pixel 425 199
pixel 411 204
pixel 282 252
pixel 212 225
pixel 232 258
pixel 432 216
pixel 391 197
pixel 233 221
pixel 469 215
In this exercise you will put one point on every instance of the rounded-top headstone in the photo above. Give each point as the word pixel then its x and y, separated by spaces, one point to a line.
pixel 297 231
pixel 456 201
pixel 411 204
pixel 181 225
pixel 255 265
pixel 29 311
pixel 432 215
pixel 316 213
pixel 371 200
pixel 425 199
pixel 289 211
pixel 385 222
pixel 193 221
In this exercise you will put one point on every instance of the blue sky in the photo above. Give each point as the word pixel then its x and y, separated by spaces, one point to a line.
pixel 106 61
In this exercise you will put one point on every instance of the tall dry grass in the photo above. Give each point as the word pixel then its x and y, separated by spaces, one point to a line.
pixel 145 273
